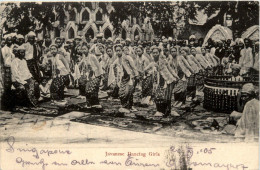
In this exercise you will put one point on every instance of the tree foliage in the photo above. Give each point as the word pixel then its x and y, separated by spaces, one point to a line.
pixel 160 13
pixel 244 13
pixel 164 15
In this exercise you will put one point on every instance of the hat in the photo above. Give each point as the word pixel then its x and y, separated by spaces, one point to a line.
pixel 53 45
pixel 99 35
pixel 203 47
pixel 117 39
pixel 239 40
pixel 139 46
pixel 118 45
pixel 248 88
pixel 57 38
pixel 109 47
pixel 31 33
pixel 163 37
pixel 236 67
pixel 170 39
pixel 192 37
pixel 128 39
pixel 7 36
pixel 186 49
pixel 193 48
pixel 97 52
pixel 21 47
pixel 19 36
pixel 100 45
pixel 78 37
pixel 165 40
pixel 110 39
pixel 125 48
pixel 69 40
pixel 13 34
pixel 155 47
pixel 15 46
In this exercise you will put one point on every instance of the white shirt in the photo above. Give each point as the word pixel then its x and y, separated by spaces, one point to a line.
pixel 256 62
pixel 20 71
pixel 60 65
pixel 8 55
pixel 246 59
pixel 28 51
pixel 141 62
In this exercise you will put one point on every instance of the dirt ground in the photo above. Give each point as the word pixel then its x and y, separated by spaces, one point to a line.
pixel 194 123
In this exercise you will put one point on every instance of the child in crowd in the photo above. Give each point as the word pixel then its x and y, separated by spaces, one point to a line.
pixel 45 89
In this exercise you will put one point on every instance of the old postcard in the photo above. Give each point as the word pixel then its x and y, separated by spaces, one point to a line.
pixel 130 85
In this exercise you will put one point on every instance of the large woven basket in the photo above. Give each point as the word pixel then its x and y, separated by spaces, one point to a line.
pixel 220 93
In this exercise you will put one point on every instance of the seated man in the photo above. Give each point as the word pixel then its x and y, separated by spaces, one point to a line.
pixel 248 124
pixel 23 81
pixel 235 73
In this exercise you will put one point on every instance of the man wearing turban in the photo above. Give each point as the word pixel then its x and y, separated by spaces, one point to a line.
pixel 248 124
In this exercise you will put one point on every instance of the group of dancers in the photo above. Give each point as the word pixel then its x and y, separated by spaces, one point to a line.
pixel 162 69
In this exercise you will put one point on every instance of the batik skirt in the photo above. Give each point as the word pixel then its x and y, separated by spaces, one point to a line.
pixel 163 98
pixel 105 81
pixel 34 69
pixel 126 92
pixel 7 77
pixel 164 95
pixel 199 79
pixel 180 90
pixel 31 91
pixel 191 80
pixel 113 90
pixel 191 86
pixel 91 90
pixel 147 86
pixel 82 85
pixel 57 87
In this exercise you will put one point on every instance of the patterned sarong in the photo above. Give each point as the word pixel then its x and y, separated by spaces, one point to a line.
pixel 113 91
pixel 66 80
pixel 105 81
pixel 91 90
pixel 7 77
pixel 191 86
pixel 82 85
pixel 180 91
pixel 163 98
pixel 126 92
pixel 191 80
pixel 34 69
pixel 31 91
pixel 147 86
pixel 163 95
pixel 199 79
pixel 57 88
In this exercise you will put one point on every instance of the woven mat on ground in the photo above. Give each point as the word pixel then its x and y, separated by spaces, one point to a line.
pixel 38 111
pixel 121 123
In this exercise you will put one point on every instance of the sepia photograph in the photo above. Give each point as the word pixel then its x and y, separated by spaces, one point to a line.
pixel 112 85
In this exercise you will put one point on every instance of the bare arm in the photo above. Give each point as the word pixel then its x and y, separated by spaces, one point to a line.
pixel 172 71
pixel 187 64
